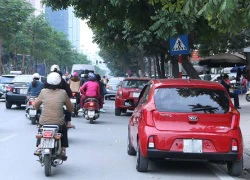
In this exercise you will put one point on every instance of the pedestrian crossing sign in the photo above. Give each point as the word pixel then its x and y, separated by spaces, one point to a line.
pixel 179 45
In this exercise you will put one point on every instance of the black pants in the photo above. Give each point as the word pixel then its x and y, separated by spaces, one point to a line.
pixel 236 99
pixel 64 138
pixel 67 117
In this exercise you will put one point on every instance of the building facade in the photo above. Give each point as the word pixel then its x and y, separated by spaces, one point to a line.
pixel 37 4
pixel 66 22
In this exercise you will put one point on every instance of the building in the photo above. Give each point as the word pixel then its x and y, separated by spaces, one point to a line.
pixel 66 22
pixel 37 4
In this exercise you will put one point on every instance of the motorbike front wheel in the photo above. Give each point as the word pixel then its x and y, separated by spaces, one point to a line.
pixel 248 97
pixel 91 120
pixel 47 165
pixel 33 120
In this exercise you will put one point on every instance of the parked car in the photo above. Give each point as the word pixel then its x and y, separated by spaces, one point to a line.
pixel 179 119
pixel 113 86
pixel 5 80
pixel 17 90
pixel 128 93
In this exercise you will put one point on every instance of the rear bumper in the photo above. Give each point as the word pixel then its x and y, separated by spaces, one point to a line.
pixel 16 98
pixel 154 153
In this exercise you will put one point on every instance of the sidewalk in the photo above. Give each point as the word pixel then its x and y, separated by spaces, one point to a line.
pixel 245 128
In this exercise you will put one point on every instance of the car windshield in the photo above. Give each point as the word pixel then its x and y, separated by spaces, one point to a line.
pixel 23 78
pixel 6 79
pixel 134 83
pixel 114 81
pixel 196 100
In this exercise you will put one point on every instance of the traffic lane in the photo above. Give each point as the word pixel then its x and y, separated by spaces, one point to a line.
pixel 97 151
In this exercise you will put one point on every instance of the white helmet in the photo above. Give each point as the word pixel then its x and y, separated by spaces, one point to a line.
pixel 54 68
pixel 54 78
pixel 36 75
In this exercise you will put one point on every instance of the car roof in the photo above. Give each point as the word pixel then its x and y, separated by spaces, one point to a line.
pixel 135 78
pixel 10 75
pixel 186 82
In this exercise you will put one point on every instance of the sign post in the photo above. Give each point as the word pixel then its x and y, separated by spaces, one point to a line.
pixel 179 46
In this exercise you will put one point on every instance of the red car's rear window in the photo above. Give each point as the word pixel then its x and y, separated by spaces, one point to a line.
pixel 196 100
pixel 134 83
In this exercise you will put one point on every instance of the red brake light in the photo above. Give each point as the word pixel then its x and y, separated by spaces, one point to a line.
pixel 91 103
pixel 235 118
pixel 73 94
pixel 30 103
pixel 234 145
pixel 47 134
pixel 151 143
pixel 147 115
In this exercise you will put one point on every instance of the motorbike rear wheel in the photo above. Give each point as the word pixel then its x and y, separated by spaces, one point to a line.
pixel 248 97
pixel 33 120
pixel 91 120
pixel 47 165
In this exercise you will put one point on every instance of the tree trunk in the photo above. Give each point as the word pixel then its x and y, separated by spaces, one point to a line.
pixel 15 61
pixel 190 70
pixel 23 65
pixel 163 65
pixel 149 67
pixel 154 60
pixel 1 47
pixel 158 66
pixel 175 67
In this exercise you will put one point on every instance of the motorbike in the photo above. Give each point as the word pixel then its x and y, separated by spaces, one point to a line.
pixel 91 109
pixel 51 150
pixel 248 95
pixel 31 113
pixel 75 103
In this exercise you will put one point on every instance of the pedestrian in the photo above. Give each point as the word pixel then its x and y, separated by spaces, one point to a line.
pixel 232 95
pixel 207 76
pixel 238 75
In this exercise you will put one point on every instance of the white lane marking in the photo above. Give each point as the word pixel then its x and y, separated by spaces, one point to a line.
pixel 8 138
pixel 219 172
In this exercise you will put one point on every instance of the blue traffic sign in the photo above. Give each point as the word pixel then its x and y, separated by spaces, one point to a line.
pixel 179 45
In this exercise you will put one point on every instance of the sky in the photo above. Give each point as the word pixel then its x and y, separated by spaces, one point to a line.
pixel 88 47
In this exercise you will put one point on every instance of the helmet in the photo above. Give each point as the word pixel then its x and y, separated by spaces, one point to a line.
pixel 36 75
pixel 54 68
pixel 91 76
pixel 75 74
pixel 54 78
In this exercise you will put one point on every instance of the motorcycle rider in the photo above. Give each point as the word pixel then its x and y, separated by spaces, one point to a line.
pixel 75 84
pixel 64 85
pixel 90 89
pixel 34 88
pixel 103 91
pixel 53 98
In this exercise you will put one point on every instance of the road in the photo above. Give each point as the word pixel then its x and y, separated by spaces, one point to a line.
pixel 97 152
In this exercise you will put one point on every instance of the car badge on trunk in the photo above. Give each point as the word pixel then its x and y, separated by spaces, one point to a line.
pixel 193 118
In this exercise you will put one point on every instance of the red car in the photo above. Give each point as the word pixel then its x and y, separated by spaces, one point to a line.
pixel 128 93
pixel 188 120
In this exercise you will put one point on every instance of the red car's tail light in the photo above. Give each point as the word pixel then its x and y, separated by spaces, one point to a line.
pixel 235 118
pixel 151 143
pixel 147 115
pixel 234 145
pixel 8 88
pixel 47 134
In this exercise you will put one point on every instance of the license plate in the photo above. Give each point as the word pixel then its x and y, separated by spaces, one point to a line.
pixel 47 143
pixel 23 91
pixel 192 146
pixel 91 113
pixel 73 101
pixel 136 95
pixel 32 112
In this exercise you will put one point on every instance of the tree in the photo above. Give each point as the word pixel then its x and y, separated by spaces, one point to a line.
pixel 12 16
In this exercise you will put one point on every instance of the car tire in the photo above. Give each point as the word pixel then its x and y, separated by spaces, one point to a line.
pixel 130 148
pixel 8 105
pixel 141 162
pixel 106 98
pixel 117 112
pixel 248 97
pixel 235 168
